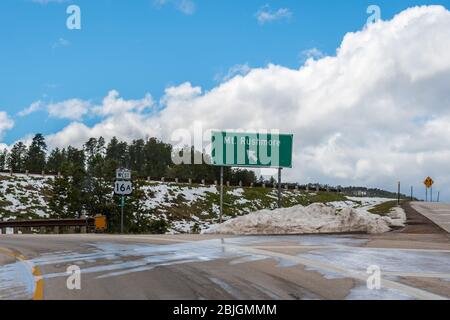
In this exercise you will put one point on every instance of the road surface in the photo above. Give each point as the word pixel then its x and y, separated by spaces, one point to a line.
pixel 413 266
pixel 439 213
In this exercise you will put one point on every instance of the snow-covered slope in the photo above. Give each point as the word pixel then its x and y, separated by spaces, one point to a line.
pixel 185 207
pixel 23 197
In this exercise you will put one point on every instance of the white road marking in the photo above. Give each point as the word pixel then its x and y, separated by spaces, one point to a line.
pixel 418 275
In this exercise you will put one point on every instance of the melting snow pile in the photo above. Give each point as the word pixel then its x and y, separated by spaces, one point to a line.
pixel 316 218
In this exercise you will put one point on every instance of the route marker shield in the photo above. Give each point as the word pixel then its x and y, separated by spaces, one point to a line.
pixel 123 188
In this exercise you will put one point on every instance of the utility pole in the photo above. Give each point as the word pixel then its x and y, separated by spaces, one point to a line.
pixel 412 193
pixel 221 195
pixel 398 193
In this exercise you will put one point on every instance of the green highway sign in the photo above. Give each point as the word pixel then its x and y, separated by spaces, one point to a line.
pixel 259 150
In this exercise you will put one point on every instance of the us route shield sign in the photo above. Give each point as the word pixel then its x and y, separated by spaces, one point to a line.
pixel 123 188
pixel 259 150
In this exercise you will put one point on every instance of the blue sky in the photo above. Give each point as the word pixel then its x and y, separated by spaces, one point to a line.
pixel 137 47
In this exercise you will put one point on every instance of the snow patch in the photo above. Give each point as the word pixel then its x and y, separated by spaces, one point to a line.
pixel 314 219
pixel 368 203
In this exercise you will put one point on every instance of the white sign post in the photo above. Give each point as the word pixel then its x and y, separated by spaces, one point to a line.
pixel 123 187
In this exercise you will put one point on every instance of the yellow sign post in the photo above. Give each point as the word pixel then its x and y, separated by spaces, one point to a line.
pixel 429 185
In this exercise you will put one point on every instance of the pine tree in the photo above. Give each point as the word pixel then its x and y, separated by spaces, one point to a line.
pixel 55 161
pixel 71 187
pixel 16 158
pixel 137 156
pixel 58 204
pixel 157 158
pixel 35 158
pixel 117 153
pixel 3 157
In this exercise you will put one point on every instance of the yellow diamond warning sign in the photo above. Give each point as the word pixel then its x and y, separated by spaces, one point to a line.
pixel 428 182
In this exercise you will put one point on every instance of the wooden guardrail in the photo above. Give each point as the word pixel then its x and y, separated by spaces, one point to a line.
pixel 89 222
pixel 286 186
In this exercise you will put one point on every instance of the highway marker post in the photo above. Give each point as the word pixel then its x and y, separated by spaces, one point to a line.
pixel 251 150
pixel 221 194
pixel 122 208
pixel 123 187
pixel 279 188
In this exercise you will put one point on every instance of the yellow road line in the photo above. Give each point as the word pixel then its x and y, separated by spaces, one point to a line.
pixel 39 284
pixel 36 272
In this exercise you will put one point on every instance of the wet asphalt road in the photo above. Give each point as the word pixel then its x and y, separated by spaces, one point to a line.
pixel 412 266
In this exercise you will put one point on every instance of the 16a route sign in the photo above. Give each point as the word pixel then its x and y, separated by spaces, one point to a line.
pixel 123 188
pixel 252 150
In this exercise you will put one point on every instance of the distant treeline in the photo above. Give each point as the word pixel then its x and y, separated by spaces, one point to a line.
pixel 146 158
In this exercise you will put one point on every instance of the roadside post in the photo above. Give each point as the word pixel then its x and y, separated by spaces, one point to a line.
pixel 122 208
pixel 123 187
pixel 398 193
pixel 221 194
pixel 279 188
pixel 251 150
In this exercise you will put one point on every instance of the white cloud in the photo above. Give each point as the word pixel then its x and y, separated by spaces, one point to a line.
pixel 236 70
pixel 61 42
pixel 265 14
pixel 187 7
pixel 376 113
pixel 114 105
pixel 73 109
pixel 35 106
pixel 6 123
pixel 312 53
pixel 45 2
pixel 77 109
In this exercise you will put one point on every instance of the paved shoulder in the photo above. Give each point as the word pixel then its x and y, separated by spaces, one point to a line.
pixel 439 213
